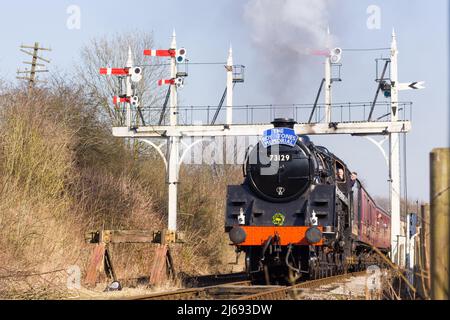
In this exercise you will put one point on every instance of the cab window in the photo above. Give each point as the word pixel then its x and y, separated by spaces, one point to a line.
pixel 341 176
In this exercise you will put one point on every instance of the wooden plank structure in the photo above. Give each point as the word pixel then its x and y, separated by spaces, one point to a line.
pixel 101 260
pixel 96 264
pixel 157 273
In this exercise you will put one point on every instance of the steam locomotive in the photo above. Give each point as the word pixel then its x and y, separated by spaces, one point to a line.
pixel 294 218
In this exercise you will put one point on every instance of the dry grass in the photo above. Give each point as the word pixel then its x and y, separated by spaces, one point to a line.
pixel 62 174
pixel 202 201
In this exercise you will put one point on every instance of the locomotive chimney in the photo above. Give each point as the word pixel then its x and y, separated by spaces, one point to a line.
pixel 284 123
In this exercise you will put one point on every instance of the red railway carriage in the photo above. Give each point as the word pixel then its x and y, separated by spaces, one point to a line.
pixel 371 224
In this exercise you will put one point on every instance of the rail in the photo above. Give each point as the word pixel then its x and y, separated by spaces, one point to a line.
pixel 244 290
pixel 284 293
pixel 201 293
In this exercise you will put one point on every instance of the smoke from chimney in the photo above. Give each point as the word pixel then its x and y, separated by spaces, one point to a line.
pixel 285 33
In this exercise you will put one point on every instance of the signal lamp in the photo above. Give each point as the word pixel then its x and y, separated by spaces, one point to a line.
pixel 136 74
pixel 181 55
pixel 336 55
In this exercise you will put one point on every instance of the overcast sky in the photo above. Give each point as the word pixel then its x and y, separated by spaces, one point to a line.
pixel 257 29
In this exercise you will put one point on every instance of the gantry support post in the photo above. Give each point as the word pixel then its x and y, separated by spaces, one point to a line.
pixel 129 89
pixel 229 68
pixel 328 100
pixel 328 81
pixel 397 241
pixel 173 148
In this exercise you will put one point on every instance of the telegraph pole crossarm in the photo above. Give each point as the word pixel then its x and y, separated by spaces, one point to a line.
pixel 31 74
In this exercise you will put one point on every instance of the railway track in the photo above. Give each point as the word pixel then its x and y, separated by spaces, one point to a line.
pixel 214 280
pixel 218 292
pixel 244 290
pixel 291 291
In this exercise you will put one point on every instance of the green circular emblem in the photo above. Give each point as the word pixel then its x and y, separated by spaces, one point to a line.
pixel 278 219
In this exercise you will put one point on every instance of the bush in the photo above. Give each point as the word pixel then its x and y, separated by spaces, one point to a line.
pixel 63 174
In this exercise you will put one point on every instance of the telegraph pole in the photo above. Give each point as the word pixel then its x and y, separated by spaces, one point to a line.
pixel 30 75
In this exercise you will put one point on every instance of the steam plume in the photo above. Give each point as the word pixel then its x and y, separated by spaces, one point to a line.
pixel 285 32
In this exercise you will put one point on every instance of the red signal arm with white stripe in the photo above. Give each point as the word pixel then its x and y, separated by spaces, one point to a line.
pixel 115 71
pixel 168 82
pixel 117 100
pixel 324 53
pixel 159 53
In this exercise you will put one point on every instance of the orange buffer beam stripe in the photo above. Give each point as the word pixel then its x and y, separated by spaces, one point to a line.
pixel 257 236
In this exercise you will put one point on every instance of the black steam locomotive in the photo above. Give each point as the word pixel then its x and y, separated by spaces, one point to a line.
pixel 292 216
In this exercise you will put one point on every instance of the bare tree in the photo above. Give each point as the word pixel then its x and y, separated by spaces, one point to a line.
pixel 112 51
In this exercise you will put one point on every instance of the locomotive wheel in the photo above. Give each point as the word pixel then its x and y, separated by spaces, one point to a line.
pixel 314 270
pixel 338 262
pixel 312 273
pixel 321 264
pixel 329 265
pixel 267 274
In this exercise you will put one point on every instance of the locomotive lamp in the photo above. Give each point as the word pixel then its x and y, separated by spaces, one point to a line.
pixel 241 217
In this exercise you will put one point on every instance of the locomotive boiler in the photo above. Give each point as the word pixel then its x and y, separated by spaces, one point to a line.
pixel 298 214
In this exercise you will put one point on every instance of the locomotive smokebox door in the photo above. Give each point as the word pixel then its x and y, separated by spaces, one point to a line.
pixel 279 168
